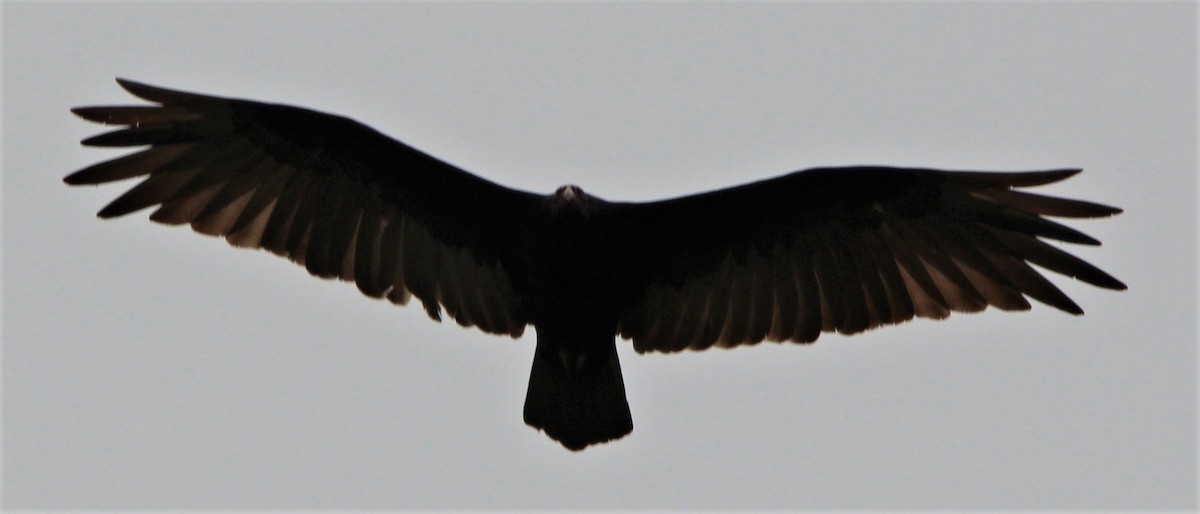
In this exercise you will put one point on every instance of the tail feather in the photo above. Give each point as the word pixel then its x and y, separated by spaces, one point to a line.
pixel 578 403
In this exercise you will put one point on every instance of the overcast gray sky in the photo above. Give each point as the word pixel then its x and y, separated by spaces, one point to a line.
pixel 147 366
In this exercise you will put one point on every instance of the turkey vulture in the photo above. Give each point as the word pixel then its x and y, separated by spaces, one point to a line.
pixel 820 250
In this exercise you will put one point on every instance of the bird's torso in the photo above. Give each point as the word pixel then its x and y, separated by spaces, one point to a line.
pixel 569 271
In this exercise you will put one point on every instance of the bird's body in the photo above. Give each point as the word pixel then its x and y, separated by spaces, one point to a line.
pixel 576 392
pixel 822 250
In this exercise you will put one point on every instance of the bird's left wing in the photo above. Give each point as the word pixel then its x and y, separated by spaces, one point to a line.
pixel 840 249
pixel 326 192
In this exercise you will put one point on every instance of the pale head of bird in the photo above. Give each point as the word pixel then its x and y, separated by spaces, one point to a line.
pixel 572 198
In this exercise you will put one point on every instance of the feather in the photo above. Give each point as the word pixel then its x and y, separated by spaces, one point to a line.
pixel 129 166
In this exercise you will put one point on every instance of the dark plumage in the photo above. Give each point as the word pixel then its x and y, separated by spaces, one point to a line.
pixel 784 259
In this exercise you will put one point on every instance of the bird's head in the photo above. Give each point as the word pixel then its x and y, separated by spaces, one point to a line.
pixel 572 198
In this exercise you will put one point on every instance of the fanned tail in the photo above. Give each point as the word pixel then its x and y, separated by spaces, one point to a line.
pixel 576 399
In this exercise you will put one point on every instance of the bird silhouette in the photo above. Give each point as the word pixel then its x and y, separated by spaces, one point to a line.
pixel 841 250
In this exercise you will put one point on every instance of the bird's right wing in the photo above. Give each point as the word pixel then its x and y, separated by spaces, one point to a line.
pixel 841 249
pixel 326 192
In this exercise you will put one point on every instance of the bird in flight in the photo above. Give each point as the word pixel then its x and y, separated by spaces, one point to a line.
pixel 820 250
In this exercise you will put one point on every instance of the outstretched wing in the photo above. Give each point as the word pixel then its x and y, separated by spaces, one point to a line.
pixel 845 250
pixel 324 191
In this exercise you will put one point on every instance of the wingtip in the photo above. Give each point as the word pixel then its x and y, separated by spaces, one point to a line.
pixel 74 180
pixel 1040 178
pixel 93 113
pixel 1109 282
pixel 100 114
pixel 1016 179
pixel 141 90
pixel 128 84
pixel 116 209
pixel 145 91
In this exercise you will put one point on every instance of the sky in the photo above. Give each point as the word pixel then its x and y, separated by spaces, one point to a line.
pixel 150 367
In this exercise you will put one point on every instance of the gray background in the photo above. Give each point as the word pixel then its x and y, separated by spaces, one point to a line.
pixel 147 366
